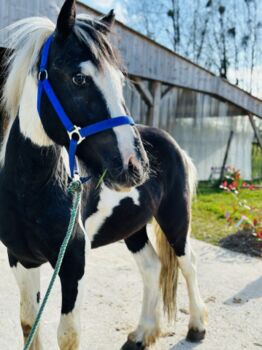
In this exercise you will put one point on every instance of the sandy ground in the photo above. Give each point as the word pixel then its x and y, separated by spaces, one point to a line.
pixel 231 285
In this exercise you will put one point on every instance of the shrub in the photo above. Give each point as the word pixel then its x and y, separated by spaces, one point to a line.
pixel 241 214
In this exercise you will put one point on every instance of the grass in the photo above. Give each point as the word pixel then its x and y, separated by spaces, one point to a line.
pixel 209 208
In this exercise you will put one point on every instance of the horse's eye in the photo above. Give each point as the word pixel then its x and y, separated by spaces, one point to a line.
pixel 79 79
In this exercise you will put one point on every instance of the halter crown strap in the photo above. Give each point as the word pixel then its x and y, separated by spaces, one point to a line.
pixel 76 134
pixel 45 53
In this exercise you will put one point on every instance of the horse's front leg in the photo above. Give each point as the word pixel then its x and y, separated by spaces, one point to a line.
pixel 72 277
pixel 28 281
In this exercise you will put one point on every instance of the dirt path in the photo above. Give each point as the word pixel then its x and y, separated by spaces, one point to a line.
pixel 230 283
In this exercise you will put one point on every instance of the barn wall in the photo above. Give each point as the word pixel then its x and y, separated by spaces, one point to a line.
pixel 13 10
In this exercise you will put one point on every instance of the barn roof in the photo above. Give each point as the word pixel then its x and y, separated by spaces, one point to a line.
pixel 147 59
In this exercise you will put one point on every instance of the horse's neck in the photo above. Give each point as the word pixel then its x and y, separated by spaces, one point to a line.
pixel 27 163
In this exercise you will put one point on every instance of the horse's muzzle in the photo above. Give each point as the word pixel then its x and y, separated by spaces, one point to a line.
pixel 133 175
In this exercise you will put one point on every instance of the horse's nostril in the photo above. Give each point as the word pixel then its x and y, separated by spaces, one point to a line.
pixel 133 165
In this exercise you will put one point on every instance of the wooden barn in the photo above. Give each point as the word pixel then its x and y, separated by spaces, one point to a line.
pixel 206 114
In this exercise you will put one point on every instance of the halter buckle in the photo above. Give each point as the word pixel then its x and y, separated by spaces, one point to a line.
pixel 75 135
pixel 43 75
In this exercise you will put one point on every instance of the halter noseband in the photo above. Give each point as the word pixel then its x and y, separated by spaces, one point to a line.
pixel 76 134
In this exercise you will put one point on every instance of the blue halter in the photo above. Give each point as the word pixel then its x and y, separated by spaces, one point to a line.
pixel 76 134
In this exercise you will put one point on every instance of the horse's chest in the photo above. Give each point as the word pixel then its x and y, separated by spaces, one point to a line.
pixel 32 216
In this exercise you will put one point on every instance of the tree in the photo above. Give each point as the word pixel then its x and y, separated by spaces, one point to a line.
pixel 221 35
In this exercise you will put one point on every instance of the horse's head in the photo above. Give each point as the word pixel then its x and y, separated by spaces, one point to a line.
pixel 88 82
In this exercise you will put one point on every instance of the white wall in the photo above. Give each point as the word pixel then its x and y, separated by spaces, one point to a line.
pixel 205 140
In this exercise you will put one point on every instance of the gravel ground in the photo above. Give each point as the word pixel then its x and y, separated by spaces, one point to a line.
pixel 231 285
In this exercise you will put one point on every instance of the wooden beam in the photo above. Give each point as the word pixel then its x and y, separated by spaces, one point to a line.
pixel 168 91
pixel 144 91
pixel 252 121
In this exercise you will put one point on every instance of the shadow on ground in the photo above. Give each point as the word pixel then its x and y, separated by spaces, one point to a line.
pixel 252 290
pixel 185 345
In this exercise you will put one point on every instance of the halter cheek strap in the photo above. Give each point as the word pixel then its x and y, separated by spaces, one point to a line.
pixel 76 134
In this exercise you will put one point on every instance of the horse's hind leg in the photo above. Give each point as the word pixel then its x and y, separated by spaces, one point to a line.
pixel 175 226
pixel 28 281
pixel 148 263
pixel 198 312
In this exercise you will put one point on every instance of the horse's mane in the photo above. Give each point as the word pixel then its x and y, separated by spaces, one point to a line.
pixel 25 39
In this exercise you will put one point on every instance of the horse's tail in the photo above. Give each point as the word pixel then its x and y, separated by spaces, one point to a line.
pixel 169 262
pixel 191 173
pixel 169 271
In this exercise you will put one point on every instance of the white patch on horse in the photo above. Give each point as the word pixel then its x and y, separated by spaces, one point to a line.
pixel 87 240
pixel 69 329
pixel 198 311
pixel 109 200
pixel 28 281
pixel 149 265
pixel 65 158
pixel 30 123
pixel 109 81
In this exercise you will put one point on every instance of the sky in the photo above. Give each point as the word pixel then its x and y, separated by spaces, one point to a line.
pixel 106 5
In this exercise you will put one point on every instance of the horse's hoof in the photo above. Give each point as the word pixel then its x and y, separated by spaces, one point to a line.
pixel 130 345
pixel 195 336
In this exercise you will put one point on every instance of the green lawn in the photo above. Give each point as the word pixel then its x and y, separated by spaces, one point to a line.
pixel 209 207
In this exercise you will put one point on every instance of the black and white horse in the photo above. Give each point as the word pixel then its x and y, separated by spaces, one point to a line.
pixel 34 203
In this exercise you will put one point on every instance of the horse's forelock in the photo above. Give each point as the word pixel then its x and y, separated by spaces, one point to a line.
pixel 89 31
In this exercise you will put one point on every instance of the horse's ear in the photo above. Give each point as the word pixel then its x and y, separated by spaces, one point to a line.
pixel 107 22
pixel 66 18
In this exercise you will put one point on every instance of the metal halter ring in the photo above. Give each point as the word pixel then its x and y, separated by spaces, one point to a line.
pixel 43 75
pixel 75 135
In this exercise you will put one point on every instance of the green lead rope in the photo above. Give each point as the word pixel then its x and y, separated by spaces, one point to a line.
pixel 75 188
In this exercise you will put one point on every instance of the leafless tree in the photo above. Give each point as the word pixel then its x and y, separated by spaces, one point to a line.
pixel 221 35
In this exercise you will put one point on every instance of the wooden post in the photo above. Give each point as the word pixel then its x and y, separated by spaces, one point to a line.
pixel 152 99
pixel 154 111
pixel 157 100
pixel 256 131
pixel 226 155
